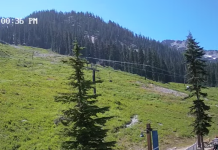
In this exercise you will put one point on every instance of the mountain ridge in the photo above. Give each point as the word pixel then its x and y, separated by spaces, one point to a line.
pixel 180 45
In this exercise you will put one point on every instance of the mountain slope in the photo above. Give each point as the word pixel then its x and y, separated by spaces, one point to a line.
pixel 103 41
pixel 31 77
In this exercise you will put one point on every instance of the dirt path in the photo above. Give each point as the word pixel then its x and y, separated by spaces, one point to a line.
pixel 160 89
pixel 50 54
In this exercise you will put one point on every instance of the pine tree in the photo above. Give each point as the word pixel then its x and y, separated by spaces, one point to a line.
pixel 196 71
pixel 83 128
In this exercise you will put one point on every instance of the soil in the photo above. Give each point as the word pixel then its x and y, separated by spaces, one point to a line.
pixel 163 90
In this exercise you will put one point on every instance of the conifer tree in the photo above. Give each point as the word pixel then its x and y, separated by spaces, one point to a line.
pixel 83 128
pixel 196 73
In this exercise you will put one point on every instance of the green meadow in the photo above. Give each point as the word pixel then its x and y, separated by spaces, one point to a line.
pixel 31 77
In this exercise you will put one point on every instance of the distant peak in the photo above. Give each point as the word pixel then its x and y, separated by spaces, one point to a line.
pixel 177 44
pixel 181 46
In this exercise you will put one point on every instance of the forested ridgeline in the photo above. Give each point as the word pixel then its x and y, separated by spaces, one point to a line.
pixel 106 41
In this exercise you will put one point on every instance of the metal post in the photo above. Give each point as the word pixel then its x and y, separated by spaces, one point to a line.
pixel 149 136
pixel 93 78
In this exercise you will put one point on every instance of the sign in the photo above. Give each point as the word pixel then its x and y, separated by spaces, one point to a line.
pixel 155 140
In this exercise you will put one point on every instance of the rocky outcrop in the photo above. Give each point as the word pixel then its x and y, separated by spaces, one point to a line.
pixel 181 46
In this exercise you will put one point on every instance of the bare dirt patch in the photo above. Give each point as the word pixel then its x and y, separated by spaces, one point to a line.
pixel 160 89
pixel 50 79
pixel 53 57
pixel 37 54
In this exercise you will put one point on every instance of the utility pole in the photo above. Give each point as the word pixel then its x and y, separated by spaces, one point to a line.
pixel 93 75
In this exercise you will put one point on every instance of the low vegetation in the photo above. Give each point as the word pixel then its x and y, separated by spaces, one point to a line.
pixel 29 82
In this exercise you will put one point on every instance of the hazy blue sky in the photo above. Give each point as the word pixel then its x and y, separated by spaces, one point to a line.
pixel 158 19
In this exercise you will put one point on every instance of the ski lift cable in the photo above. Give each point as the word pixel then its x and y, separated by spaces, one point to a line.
pixel 129 63
pixel 126 63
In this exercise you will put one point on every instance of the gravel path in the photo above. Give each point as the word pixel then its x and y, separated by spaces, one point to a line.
pixel 167 91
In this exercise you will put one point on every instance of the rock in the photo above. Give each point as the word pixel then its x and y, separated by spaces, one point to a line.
pixel 160 124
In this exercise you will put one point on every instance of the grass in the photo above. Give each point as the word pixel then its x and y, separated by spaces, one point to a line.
pixel 27 108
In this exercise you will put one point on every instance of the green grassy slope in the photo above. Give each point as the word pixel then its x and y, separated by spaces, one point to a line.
pixel 31 77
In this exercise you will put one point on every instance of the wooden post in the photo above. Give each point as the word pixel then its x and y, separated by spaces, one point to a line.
pixel 149 136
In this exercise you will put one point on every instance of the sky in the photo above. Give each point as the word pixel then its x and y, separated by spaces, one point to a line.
pixel 157 19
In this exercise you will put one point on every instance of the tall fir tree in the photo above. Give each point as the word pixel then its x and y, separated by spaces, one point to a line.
pixel 196 72
pixel 83 128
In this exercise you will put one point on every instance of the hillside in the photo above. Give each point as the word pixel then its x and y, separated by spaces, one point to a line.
pixel 139 54
pixel 103 40
pixel 31 77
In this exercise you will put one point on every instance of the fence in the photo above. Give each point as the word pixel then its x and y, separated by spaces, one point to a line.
pixel 193 147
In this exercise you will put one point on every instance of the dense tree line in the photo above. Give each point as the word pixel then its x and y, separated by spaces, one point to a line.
pixel 57 30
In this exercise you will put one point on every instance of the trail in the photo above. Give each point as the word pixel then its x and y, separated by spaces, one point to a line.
pixel 160 89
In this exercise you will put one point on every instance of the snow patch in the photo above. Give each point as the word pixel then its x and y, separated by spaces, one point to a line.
pixel 134 120
pixel 93 39
pixel 207 55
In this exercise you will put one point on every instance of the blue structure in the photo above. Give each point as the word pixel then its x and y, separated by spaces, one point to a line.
pixel 155 140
